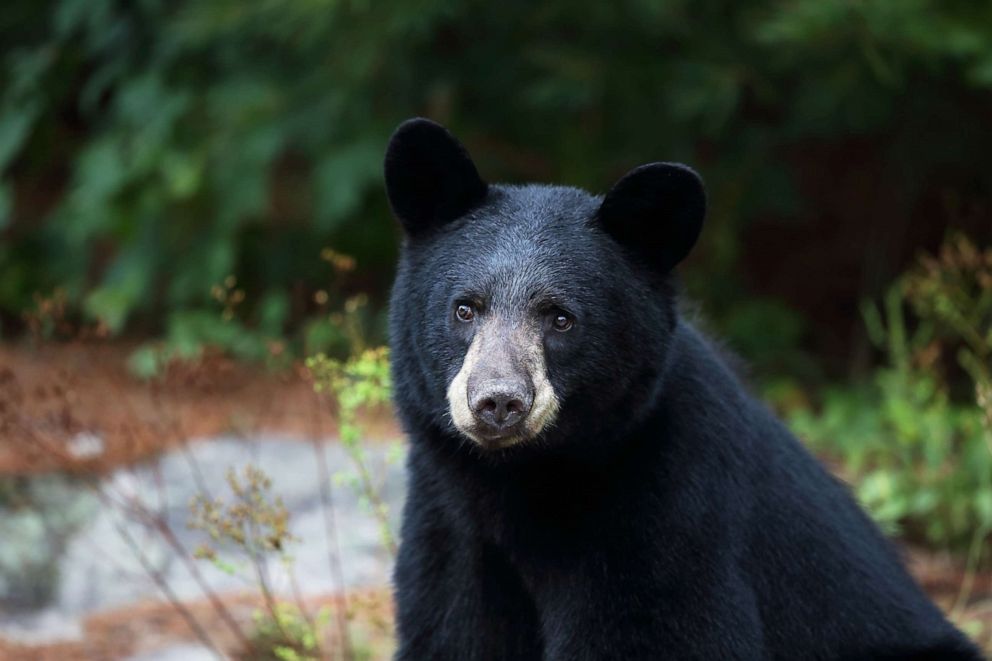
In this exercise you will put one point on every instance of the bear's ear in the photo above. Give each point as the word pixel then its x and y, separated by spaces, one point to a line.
pixel 656 211
pixel 430 178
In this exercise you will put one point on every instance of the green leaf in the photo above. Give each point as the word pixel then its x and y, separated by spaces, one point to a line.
pixel 5 205
pixel 15 128
pixel 146 362
pixel 342 177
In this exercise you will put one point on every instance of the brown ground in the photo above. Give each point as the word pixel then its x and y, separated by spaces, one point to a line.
pixel 147 627
pixel 50 394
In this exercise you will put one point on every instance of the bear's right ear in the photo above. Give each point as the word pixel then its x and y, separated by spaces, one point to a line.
pixel 430 178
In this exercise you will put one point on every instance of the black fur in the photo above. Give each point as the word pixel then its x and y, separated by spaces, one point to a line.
pixel 667 514
pixel 430 178
pixel 656 210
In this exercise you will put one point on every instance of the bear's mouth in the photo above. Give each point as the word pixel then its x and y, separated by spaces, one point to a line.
pixel 498 440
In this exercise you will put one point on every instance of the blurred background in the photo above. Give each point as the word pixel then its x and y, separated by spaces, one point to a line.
pixel 195 244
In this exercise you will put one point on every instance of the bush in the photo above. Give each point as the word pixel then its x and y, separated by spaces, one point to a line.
pixel 922 461
pixel 151 149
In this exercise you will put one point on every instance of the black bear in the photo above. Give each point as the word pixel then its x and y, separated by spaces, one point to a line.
pixel 588 478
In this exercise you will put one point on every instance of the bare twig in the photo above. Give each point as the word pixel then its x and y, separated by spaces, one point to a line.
pixel 330 531
pixel 163 585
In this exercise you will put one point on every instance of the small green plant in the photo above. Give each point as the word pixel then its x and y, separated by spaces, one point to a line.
pixel 360 382
pixel 288 635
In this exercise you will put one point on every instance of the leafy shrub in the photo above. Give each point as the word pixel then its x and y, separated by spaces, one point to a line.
pixel 150 149
pixel 922 461
pixel 189 335
pixel 954 292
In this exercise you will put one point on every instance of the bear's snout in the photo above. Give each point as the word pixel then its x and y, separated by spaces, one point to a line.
pixel 501 395
pixel 500 404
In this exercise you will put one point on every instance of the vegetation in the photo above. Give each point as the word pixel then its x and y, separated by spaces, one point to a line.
pixel 149 150
pixel 920 457
pixel 256 522
pixel 358 384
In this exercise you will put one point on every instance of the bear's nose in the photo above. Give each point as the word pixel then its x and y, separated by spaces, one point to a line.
pixel 501 403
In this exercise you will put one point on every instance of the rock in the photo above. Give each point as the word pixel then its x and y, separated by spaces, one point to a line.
pixel 44 626
pixel 35 526
pixel 188 652
pixel 85 445
pixel 97 567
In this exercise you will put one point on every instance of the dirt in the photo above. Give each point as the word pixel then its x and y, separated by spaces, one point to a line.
pixel 148 627
pixel 56 399
pixel 51 395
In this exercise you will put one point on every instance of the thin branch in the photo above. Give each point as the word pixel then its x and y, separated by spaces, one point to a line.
pixel 163 586
pixel 330 530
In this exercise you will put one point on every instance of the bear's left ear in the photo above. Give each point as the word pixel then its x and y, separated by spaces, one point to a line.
pixel 430 178
pixel 656 211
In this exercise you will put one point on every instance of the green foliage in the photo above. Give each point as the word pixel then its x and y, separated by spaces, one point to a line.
pixel 150 149
pixel 189 335
pixel 922 462
pixel 358 383
pixel 287 635
pixel 768 333
pixel 185 132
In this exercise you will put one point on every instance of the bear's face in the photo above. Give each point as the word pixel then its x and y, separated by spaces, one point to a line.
pixel 509 309
pixel 527 315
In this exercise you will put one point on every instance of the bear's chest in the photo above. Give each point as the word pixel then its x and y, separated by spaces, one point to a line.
pixel 563 514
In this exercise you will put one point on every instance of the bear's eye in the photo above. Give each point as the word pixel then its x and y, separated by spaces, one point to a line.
pixel 464 312
pixel 562 321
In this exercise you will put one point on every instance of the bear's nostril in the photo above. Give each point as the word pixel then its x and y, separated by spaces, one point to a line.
pixel 488 405
pixel 515 406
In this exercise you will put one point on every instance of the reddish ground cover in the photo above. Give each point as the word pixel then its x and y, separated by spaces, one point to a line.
pixel 55 393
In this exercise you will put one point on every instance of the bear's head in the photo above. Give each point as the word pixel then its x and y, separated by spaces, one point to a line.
pixel 523 316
